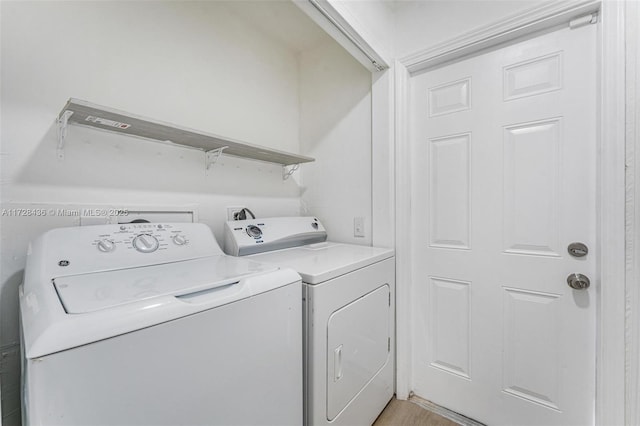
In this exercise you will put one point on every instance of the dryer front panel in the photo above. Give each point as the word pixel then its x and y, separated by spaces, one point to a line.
pixel 350 346
pixel 358 346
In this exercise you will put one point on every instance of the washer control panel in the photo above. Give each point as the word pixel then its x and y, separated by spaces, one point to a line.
pixel 86 249
pixel 142 237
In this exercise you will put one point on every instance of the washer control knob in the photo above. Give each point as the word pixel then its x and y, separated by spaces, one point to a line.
pixel 146 243
pixel 254 231
pixel 106 246
pixel 179 240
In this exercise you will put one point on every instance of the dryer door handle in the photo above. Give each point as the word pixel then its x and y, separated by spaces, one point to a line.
pixel 337 363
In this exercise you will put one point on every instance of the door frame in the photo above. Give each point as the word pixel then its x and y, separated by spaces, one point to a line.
pixel 611 323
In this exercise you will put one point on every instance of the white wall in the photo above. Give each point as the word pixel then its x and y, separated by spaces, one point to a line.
pixel 191 63
pixel 372 20
pixel 335 128
pixel 423 23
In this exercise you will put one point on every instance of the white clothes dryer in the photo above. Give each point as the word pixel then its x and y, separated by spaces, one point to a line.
pixel 151 324
pixel 349 293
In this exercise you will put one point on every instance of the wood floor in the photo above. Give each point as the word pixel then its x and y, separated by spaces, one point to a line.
pixel 405 413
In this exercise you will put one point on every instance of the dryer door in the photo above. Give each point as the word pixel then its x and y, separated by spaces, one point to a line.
pixel 358 346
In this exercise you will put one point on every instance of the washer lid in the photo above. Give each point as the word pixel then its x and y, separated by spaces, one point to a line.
pixel 91 292
pixel 317 263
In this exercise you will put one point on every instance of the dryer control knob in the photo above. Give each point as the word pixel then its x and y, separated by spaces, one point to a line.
pixel 179 240
pixel 146 243
pixel 106 246
pixel 254 231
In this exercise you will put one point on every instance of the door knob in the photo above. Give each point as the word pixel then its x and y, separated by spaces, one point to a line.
pixel 578 281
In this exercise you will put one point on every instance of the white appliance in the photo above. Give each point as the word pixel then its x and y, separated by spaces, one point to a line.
pixel 153 324
pixel 349 314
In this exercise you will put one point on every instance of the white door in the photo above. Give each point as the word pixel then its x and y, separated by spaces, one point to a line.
pixel 503 181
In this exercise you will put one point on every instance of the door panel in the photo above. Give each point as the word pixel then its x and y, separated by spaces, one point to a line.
pixel 357 347
pixel 526 341
pixel 503 181
pixel 533 77
pixel 531 188
pixel 450 331
pixel 449 97
pixel 450 190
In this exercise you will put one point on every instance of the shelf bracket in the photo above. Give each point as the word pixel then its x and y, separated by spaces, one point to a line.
pixel 63 122
pixel 213 156
pixel 286 174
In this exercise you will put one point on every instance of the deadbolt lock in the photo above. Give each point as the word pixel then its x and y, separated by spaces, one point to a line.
pixel 578 281
pixel 578 249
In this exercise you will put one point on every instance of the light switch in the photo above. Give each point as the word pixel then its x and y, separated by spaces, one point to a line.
pixel 358 226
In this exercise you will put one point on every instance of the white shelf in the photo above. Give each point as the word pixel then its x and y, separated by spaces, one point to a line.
pixel 87 114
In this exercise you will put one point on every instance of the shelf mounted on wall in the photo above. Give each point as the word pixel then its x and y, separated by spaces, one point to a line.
pixel 287 172
pixel 91 115
pixel 212 156
pixel 62 121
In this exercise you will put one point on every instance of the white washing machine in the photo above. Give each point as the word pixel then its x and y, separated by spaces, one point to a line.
pixel 349 314
pixel 152 324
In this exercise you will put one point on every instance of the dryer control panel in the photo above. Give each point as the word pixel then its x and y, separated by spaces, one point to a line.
pixel 244 237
